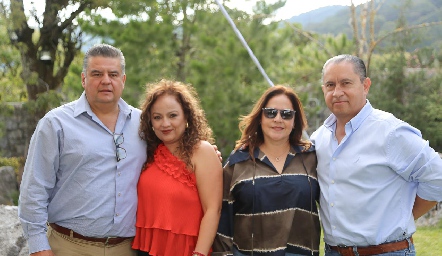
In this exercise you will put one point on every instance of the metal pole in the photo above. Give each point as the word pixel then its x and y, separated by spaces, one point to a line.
pixel 244 43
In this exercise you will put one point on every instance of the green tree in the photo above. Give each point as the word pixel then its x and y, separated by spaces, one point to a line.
pixel 47 43
pixel 10 69
pixel 411 93
pixel 192 42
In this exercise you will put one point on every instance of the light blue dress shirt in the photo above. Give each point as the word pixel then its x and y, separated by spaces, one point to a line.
pixel 369 181
pixel 72 176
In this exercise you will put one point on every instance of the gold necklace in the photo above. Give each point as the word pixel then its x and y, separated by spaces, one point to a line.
pixel 278 158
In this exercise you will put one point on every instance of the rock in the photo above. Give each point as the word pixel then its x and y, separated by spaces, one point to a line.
pixel 12 242
pixel 8 185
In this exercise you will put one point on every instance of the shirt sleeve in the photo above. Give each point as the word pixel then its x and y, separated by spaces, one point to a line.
pixel 412 158
pixel 224 237
pixel 38 182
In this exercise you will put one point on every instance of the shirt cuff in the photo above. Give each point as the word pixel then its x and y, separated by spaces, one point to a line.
pixel 38 243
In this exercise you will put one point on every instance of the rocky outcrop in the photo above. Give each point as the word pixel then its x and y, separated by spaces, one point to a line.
pixel 12 243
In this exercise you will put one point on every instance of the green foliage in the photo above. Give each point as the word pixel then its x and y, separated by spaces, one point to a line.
pixel 191 41
pixel 412 94
pixel 417 12
pixel 17 163
pixel 44 102
pixel 71 88
pixel 12 88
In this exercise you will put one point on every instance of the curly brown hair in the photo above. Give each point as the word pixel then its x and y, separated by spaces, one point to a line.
pixel 251 131
pixel 198 128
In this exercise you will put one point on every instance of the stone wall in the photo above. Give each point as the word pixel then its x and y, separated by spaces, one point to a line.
pixel 14 141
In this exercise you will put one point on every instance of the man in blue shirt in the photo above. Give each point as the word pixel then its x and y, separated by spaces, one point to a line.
pixel 376 173
pixel 83 166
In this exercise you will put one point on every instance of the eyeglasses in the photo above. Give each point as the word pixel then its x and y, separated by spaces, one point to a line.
pixel 121 152
pixel 271 113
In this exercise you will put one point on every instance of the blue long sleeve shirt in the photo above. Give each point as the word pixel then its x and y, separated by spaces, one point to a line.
pixel 72 176
pixel 370 180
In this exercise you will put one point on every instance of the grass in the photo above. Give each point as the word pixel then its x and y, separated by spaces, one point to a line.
pixel 427 241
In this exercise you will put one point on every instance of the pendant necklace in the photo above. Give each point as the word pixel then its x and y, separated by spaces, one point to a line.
pixel 278 158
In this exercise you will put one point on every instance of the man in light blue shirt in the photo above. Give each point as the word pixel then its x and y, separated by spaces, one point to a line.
pixel 83 166
pixel 376 173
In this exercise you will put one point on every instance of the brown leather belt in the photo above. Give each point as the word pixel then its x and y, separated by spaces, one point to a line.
pixel 374 249
pixel 105 240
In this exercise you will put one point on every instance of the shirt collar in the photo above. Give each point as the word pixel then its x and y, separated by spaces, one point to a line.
pixel 82 106
pixel 355 122
pixel 242 155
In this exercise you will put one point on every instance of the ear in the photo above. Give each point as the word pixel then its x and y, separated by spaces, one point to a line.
pixel 83 80
pixel 367 84
pixel 124 80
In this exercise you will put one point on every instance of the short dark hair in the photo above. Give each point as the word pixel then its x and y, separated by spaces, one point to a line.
pixel 104 50
pixel 358 64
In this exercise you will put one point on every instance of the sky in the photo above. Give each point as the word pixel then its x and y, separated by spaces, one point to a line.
pixel 293 7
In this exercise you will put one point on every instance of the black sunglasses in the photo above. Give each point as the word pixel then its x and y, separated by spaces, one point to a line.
pixel 121 152
pixel 271 113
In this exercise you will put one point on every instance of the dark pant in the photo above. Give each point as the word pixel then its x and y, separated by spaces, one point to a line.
pixel 141 253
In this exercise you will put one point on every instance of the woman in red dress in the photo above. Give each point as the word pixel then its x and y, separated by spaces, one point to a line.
pixel 180 187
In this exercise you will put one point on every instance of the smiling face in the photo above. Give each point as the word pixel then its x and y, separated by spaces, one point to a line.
pixel 103 81
pixel 277 129
pixel 168 121
pixel 344 93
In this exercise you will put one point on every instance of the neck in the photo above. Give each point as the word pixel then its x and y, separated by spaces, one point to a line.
pixel 105 109
pixel 108 116
pixel 276 149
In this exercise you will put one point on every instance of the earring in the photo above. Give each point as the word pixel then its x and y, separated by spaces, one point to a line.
pixel 187 125
pixel 153 129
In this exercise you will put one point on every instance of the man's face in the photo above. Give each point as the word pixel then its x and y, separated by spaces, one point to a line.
pixel 103 81
pixel 344 93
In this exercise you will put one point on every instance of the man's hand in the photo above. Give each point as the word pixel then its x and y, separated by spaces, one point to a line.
pixel 43 253
pixel 218 153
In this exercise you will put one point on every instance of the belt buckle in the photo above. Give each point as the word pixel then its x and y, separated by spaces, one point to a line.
pixel 345 250
pixel 107 239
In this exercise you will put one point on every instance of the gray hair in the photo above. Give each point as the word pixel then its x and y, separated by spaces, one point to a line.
pixel 358 64
pixel 104 50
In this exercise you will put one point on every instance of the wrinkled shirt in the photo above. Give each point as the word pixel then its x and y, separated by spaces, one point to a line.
pixel 370 180
pixel 72 176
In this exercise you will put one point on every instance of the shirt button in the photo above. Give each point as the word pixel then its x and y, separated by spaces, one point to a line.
pixel 333 227
pixel 119 194
pixel 334 158
pixel 332 204
pixel 117 214
pixel 119 173
pixel 332 182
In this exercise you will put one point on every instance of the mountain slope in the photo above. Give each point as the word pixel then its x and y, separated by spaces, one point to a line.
pixel 336 20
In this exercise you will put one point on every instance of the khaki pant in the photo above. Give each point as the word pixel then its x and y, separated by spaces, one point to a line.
pixel 63 245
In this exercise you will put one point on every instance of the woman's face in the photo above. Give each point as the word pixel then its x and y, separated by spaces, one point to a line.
pixel 278 129
pixel 168 120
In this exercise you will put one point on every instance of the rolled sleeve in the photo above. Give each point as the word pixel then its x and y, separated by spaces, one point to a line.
pixel 416 161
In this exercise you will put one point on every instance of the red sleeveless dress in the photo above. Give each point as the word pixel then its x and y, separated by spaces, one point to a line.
pixel 169 209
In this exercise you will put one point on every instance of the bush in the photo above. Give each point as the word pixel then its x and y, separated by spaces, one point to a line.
pixel 17 163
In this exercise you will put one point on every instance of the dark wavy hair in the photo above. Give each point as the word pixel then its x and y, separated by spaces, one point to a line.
pixel 250 127
pixel 198 128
